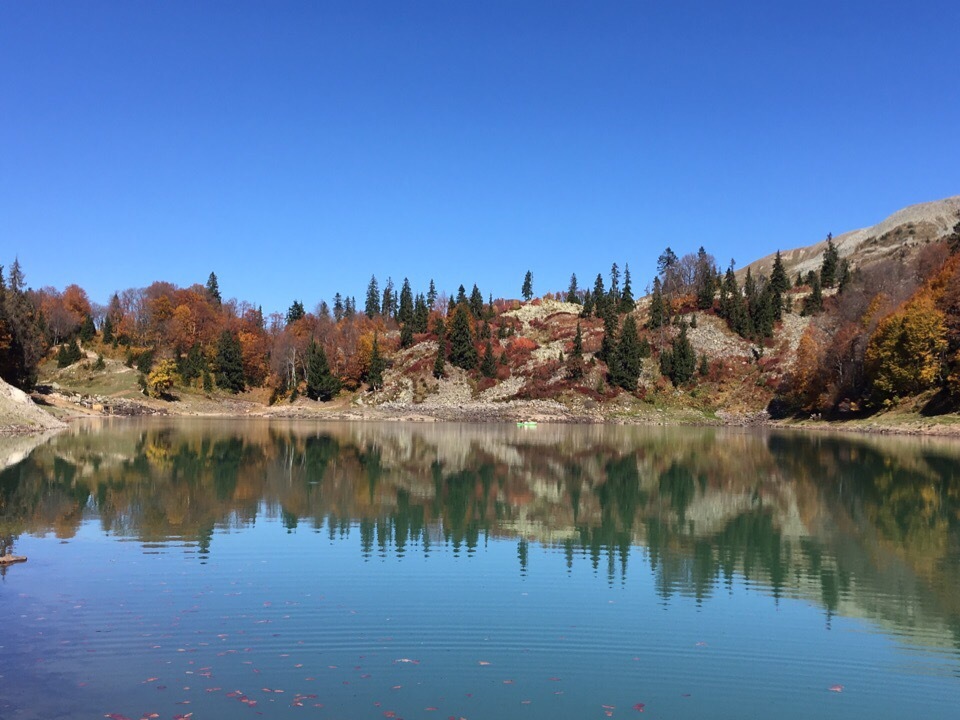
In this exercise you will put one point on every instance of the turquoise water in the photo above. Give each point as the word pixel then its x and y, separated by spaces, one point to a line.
pixel 236 569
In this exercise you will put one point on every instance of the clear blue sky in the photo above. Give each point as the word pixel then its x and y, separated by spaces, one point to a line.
pixel 297 147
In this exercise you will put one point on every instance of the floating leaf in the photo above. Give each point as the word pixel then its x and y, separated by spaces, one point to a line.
pixel 836 688
pixel 639 707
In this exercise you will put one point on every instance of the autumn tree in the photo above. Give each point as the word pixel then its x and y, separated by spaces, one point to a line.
pixel 161 379
pixel 906 353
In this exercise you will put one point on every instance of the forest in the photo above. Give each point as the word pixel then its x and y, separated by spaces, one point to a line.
pixel 874 333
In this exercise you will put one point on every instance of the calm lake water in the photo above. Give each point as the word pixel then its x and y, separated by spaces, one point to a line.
pixel 237 569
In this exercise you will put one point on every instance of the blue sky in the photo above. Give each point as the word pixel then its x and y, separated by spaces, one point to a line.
pixel 295 148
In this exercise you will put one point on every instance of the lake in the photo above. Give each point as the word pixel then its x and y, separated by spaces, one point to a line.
pixel 232 569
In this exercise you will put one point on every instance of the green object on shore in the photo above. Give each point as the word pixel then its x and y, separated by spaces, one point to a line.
pixel 526 423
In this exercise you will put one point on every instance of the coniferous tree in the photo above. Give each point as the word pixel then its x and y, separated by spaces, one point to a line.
pixel 461 295
pixel 626 370
pixel 599 297
pixel 405 308
pixel 813 303
pixel 439 365
pixel 575 359
pixel 349 307
pixel 476 302
pixel 338 307
pixel 830 264
pixel 615 283
pixel 421 314
pixel 388 307
pixel 488 364
pixel 68 354
pixel 323 310
pixel 587 310
pixel 321 383
pixel 658 311
pixel 229 363
pixel 704 367
pixel 377 365
pixel 87 329
pixel 463 354
pixel 372 306
pixel 431 295
pixel 107 330
pixel 296 312
pixel 843 276
pixel 704 279
pixel 527 289
pixel 406 335
pixel 679 363
pixel 626 296
pixel 573 294
pixel 608 344
pixel 26 344
pixel 213 290
pixel 779 285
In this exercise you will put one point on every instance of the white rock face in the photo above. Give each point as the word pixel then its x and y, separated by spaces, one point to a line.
pixel 18 413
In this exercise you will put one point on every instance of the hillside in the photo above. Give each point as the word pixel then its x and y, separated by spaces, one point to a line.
pixel 703 348
pixel 901 235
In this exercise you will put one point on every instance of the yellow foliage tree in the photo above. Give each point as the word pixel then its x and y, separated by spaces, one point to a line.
pixel 905 354
pixel 162 378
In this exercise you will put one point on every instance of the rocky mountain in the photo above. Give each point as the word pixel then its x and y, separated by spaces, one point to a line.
pixel 903 234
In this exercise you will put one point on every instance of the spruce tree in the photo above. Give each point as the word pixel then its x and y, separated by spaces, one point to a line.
pixel 615 282
pixel 476 302
pixel 295 312
pixel 431 295
pixel 830 264
pixel 575 359
pixel 843 276
pixel 107 330
pixel 779 285
pixel 680 362
pixel 406 335
pixel 87 330
pixel 213 290
pixel 627 302
pixel 705 279
pixel 421 314
pixel 229 363
pixel 527 289
pixel 599 297
pixel 488 363
pixel 608 343
pixel 405 310
pixel 338 307
pixel 573 294
pixel 461 295
pixel 439 366
pixel 388 307
pixel 658 311
pixel 463 354
pixel 813 303
pixel 321 383
pixel 372 306
pixel 377 365
pixel 626 370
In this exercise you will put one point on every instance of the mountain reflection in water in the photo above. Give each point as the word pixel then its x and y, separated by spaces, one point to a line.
pixel 865 527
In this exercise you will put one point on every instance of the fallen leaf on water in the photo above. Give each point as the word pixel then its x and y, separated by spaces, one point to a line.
pixel 483 662
pixel 836 688
pixel 639 707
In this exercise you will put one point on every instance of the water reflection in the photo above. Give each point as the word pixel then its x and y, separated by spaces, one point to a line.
pixel 862 526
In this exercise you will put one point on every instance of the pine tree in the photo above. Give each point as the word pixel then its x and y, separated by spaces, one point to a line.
pixel 406 335
pixel 573 295
pixel 658 311
pixel 626 370
pixel 587 310
pixel 229 363
pixel 779 285
pixel 377 365
pixel 615 282
pixel 405 311
pixel 476 302
pixel 296 312
pixel 813 303
pixel 439 369
pixel 388 307
pixel 213 290
pixel 843 276
pixel 372 306
pixel 107 330
pixel 679 363
pixel 431 295
pixel 599 297
pixel 338 307
pixel 321 383
pixel 627 302
pixel 527 289
pixel 461 295
pixel 488 364
pixel 704 279
pixel 575 359
pixel 463 354
pixel 349 307
pixel 87 329
pixel 830 264
pixel 608 343
pixel 421 314
pixel 704 367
